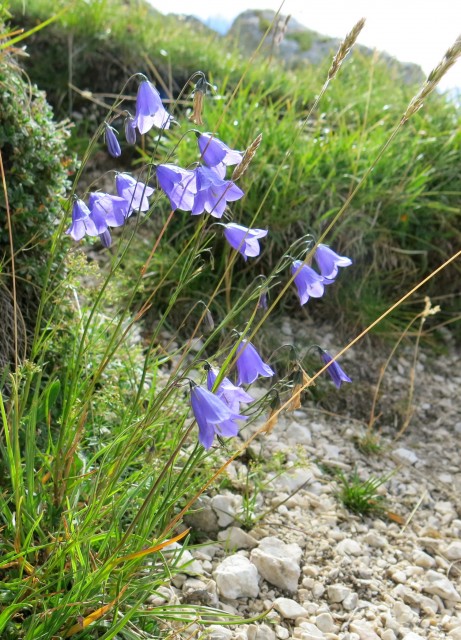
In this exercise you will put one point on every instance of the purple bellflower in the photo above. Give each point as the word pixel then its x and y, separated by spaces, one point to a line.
pixel 243 239
pixel 133 191
pixel 250 365
pixel 308 282
pixel 106 238
pixel 130 129
pixel 213 416
pixel 213 192
pixel 150 111
pixel 328 261
pixel 113 145
pixel 217 154
pixel 114 209
pixel 180 185
pixel 228 392
pixel 336 373
pixel 83 222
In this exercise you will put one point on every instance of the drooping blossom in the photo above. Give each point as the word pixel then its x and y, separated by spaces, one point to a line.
pixel 84 223
pixel 213 192
pixel 113 145
pixel 308 282
pixel 217 154
pixel 328 261
pixel 243 239
pixel 180 185
pixel 213 416
pixel 106 238
pixel 250 364
pixel 133 191
pixel 230 393
pixel 114 209
pixel 130 129
pixel 334 370
pixel 150 111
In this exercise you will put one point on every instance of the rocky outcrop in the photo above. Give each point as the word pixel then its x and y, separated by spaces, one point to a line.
pixel 295 44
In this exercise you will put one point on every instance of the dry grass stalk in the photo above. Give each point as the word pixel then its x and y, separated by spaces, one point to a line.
pixel 449 59
pixel 248 156
pixel 344 48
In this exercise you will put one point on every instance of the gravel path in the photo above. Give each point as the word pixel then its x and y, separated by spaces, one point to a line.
pixel 321 570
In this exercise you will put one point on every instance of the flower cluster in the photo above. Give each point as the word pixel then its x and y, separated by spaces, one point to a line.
pixel 105 211
pixel 203 188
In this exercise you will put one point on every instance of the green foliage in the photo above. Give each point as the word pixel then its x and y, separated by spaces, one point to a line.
pixel 36 165
pixel 403 221
pixel 361 497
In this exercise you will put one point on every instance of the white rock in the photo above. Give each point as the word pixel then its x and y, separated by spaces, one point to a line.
pixel 216 632
pixel 297 434
pixel 453 551
pixel 405 456
pixel 281 632
pixel 363 630
pixel 260 632
pixel 403 613
pixel 325 623
pixel 349 547
pixel 278 563
pixel 439 585
pixel 236 577
pixel 411 635
pixel 350 601
pixel 289 608
pixel 337 592
pixel 202 517
pixel 293 480
pixel 455 634
pixel 309 631
pixel 388 635
pixel 376 540
pixel 183 559
pixel 422 559
pixel 226 508
pixel 235 538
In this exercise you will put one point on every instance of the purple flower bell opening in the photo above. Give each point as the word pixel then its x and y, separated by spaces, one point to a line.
pixel 308 282
pixel 113 209
pixel 250 364
pixel 243 239
pixel 230 393
pixel 113 145
pixel 180 185
pixel 213 416
pixel 213 192
pixel 83 223
pixel 328 261
pixel 134 192
pixel 334 370
pixel 216 153
pixel 150 111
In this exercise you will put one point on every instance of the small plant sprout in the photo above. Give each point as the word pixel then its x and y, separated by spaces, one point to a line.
pixel 361 497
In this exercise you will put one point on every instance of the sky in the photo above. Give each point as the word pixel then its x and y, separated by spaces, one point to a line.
pixel 411 30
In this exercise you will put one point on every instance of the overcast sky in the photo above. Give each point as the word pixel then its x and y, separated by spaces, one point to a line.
pixel 411 30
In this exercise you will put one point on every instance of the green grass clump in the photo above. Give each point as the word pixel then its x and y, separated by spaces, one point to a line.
pixel 361 496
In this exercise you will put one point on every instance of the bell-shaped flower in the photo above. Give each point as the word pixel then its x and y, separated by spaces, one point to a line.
pixel 328 261
pixel 250 364
pixel 130 129
pixel 113 145
pixel 217 154
pixel 150 111
pixel 308 282
pixel 213 192
pixel 114 209
pixel 334 370
pixel 84 223
pixel 213 416
pixel 133 191
pixel 106 238
pixel 243 239
pixel 230 393
pixel 180 185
